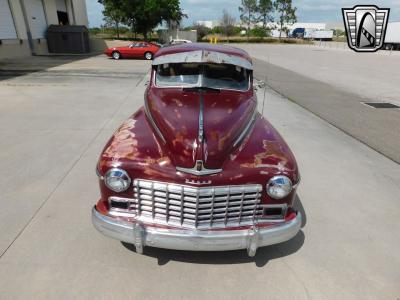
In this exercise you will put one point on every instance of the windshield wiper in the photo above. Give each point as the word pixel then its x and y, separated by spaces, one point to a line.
pixel 201 89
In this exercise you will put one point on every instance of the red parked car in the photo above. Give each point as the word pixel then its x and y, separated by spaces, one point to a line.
pixel 198 167
pixel 135 50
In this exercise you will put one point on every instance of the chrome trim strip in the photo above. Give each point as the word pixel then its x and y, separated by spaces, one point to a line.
pixel 250 86
pixel 203 56
pixel 194 171
pixel 152 122
pixel 297 184
pixel 201 119
pixel 246 130
pixel 98 172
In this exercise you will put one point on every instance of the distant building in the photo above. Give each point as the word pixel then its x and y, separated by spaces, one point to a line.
pixel 316 26
pixel 23 23
pixel 208 24
pixel 335 25
pixel 275 25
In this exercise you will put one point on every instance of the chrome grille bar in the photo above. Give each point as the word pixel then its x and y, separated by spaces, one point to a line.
pixel 197 210
pixel 182 196
pixel 212 208
pixel 254 214
pixel 154 202
pixel 226 208
pixel 241 206
pixel 139 211
pixel 167 200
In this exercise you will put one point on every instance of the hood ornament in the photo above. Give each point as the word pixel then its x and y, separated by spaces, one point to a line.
pixel 199 169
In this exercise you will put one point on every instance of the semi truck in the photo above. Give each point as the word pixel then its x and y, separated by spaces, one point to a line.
pixel 392 38
pixel 312 34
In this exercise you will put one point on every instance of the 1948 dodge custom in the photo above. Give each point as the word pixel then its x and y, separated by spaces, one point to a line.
pixel 198 168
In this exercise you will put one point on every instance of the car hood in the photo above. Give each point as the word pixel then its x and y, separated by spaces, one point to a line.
pixel 176 113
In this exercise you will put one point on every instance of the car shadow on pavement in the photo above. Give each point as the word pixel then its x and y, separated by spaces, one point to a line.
pixel 16 67
pixel 263 256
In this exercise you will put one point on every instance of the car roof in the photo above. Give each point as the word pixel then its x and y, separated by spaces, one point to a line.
pixel 203 47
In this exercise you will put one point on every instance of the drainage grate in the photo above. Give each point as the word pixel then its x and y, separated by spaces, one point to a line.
pixel 381 104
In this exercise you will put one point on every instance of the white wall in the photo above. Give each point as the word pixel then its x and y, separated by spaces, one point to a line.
pixel 13 47
pixel 80 12
pixel 7 27
pixel 51 12
pixel 18 20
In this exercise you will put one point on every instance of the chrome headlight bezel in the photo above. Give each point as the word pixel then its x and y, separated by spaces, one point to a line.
pixel 117 174
pixel 281 182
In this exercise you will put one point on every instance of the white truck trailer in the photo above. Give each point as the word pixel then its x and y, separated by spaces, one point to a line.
pixel 392 38
pixel 319 35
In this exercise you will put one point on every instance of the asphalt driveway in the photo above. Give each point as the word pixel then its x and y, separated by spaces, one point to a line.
pixel 53 125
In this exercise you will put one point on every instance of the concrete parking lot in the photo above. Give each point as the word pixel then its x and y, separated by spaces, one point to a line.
pixel 335 84
pixel 54 123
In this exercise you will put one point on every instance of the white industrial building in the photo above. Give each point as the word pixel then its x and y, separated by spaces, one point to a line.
pixel 275 27
pixel 208 24
pixel 23 23
pixel 316 26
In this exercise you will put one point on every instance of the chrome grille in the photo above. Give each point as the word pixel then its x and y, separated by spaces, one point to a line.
pixel 202 207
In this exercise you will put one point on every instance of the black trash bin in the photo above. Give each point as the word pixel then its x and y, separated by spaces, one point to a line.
pixel 69 39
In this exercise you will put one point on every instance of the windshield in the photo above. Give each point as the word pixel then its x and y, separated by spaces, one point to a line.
pixel 219 76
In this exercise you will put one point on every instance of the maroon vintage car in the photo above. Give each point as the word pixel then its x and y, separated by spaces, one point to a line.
pixel 134 50
pixel 198 168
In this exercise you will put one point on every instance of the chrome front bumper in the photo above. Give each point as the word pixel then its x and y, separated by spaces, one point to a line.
pixel 195 240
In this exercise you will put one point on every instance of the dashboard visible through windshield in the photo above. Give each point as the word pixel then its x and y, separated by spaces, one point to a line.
pixel 218 76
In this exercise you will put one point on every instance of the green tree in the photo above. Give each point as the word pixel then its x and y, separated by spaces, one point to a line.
pixel 286 12
pixel 248 14
pixel 113 14
pixel 260 32
pixel 217 30
pixel 227 23
pixel 202 31
pixel 265 9
pixel 144 15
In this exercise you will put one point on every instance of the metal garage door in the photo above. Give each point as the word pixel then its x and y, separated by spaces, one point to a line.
pixel 7 27
pixel 36 17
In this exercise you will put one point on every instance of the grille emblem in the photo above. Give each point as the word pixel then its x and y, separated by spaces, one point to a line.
pixel 198 182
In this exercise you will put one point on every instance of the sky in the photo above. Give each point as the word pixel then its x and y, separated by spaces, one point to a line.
pixel 326 11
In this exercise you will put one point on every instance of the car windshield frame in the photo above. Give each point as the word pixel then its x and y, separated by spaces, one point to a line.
pixel 202 79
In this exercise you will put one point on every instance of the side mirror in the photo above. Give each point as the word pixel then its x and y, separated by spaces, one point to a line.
pixel 259 85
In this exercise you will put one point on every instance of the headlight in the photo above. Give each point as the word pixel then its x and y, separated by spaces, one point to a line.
pixel 279 187
pixel 117 180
